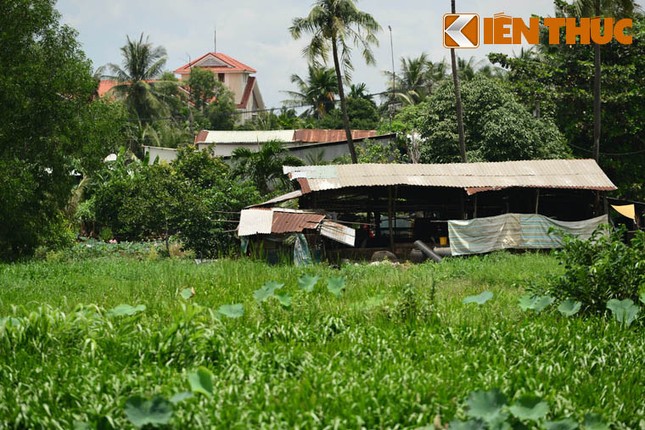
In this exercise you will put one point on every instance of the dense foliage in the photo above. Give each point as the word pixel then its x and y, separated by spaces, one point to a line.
pixel 557 80
pixel 193 198
pixel 601 269
pixel 49 125
pixel 497 126
pixel 395 348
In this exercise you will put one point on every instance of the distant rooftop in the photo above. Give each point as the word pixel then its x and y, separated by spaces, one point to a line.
pixel 216 62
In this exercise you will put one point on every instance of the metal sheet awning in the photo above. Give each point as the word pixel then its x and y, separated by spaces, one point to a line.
pixel 338 232
pixel 279 199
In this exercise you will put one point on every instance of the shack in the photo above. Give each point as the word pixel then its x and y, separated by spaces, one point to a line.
pixel 276 233
pixel 394 205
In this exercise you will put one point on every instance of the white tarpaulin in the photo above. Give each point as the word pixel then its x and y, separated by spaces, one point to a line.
pixel 514 231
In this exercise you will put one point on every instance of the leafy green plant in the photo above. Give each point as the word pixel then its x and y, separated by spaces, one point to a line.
pixel 154 412
pixel 201 381
pixel 232 311
pixel 308 282
pixel 336 285
pixel 529 408
pixel 187 293
pixel 565 424
pixel 624 311
pixel 267 291
pixel 487 406
pixel 489 410
pixel 126 310
pixel 479 299
pixel 569 308
pixel 600 269
pixel 57 350
pixel 535 303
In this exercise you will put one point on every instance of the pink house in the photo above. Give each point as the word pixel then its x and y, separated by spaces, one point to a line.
pixel 232 73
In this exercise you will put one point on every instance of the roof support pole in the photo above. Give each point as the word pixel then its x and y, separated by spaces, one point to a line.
pixel 475 209
pixel 537 201
pixel 462 205
pixel 390 213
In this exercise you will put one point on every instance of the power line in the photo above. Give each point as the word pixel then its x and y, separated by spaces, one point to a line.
pixel 610 154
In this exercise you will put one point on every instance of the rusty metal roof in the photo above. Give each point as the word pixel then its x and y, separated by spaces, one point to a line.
pixel 474 177
pixel 285 136
pixel 323 135
pixel 276 220
pixel 295 222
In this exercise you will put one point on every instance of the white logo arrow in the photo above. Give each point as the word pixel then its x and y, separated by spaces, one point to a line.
pixel 454 31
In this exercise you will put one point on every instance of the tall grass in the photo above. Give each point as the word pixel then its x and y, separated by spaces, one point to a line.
pixel 364 360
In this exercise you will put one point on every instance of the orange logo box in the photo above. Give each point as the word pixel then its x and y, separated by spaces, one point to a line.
pixel 461 30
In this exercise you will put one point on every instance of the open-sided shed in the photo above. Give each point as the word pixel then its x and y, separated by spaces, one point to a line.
pixel 406 202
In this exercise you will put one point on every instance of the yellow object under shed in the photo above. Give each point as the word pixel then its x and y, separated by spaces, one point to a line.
pixel 626 210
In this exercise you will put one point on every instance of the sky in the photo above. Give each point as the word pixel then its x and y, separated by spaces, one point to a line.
pixel 256 33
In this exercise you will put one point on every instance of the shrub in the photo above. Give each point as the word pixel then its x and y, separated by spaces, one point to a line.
pixel 194 199
pixel 600 269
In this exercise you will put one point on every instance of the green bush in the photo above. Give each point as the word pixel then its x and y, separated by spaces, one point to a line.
pixel 194 199
pixel 600 269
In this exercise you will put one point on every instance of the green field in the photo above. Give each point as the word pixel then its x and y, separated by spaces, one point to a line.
pixel 394 350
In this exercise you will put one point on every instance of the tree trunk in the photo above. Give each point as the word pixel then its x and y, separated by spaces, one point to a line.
pixel 460 110
pixel 343 103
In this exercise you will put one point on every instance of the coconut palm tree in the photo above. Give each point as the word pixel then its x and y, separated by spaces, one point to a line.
pixel 597 8
pixel 460 109
pixel 360 91
pixel 264 167
pixel 142 64
pixel 336 26
pixel 416 78
pixel 318 90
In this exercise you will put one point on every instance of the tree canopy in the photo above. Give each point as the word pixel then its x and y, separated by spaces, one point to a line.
pixel 46 88
pixel 498 127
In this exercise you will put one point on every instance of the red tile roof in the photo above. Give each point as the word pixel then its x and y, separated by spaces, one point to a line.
pixel 232 65
pixel 106 85
pixel 201 136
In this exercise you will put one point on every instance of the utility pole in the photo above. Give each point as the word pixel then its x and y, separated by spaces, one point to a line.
pixel 393 76
pixel 459 107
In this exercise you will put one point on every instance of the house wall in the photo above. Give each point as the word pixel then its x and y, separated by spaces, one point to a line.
pixel 164 154
pixel 236 82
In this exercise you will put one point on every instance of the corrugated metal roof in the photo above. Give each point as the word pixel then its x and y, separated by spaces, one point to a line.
pixel 575 174
pixel 255 221
pixel 245 136
pixel 286 136
pixel 314 135
pixel 290 222
pixel 338 232
pixel 283 198
pixel 276 220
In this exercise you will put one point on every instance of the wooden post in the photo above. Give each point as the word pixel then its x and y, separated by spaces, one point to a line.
pixel 390 211
pixel 462 205
pixel 537 201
